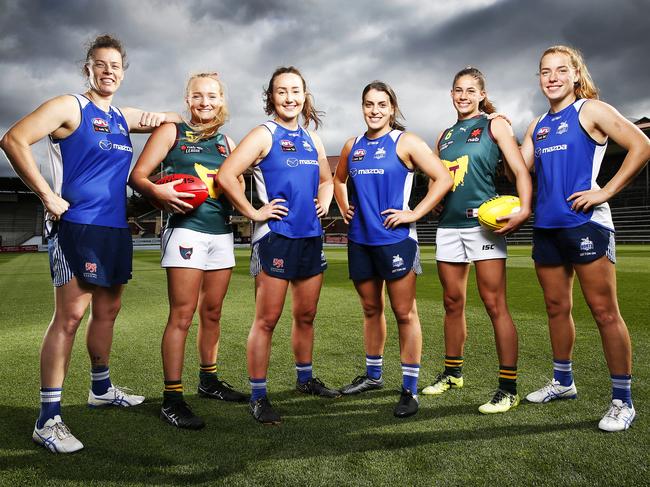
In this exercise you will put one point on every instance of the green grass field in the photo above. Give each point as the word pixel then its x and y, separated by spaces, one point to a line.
pixel 349 441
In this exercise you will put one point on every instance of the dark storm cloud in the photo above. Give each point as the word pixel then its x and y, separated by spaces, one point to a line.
pixel 339 46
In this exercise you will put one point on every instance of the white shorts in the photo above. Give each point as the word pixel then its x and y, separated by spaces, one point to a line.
pixel 469 244
pixel 182 247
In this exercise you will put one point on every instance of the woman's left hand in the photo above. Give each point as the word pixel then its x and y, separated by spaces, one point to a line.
pixel 320 211
pixel 398 217
pixel 151 119
pixel 513 221
pixel 585 200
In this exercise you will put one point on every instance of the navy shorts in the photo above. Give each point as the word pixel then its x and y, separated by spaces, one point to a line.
pixel 578 245
pixel 386 262
pixel 94 254
pixel 288 258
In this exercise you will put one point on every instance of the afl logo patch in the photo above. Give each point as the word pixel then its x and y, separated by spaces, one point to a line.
pixel 358 154
pixel 542 133
pixel 287 145
pixel 105 144
pixel 101 125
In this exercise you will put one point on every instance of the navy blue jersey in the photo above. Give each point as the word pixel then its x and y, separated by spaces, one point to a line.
pixel 90 167
pixel 289 171
pixel 380 181
pixel 567 160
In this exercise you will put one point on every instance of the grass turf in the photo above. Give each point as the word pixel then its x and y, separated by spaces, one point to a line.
pixel 349 441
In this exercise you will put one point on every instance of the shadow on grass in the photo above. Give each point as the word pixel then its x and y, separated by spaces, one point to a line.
pixel 134 446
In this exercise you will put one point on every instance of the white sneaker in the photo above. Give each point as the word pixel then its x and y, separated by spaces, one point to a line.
pixel 56 437
pixel 553 390
pixel 619 417
pixel 115 396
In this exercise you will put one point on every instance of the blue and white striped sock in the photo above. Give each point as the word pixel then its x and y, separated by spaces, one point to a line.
pixel 563 372
pixel 258 388
pixel 101 380
pixel 304 371
pixel 50 404
pixel 622 388
pixel 410 374
pixel 374 365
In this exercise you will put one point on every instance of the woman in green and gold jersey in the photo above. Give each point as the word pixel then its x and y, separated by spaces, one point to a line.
pixel 471 149
pixel 197 244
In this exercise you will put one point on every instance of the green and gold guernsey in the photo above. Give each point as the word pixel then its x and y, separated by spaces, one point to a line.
pixel 471 155
pixel 201 158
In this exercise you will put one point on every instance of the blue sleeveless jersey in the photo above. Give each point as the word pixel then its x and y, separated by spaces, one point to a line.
pixel 289 171
pixel 90 167
pixel 567 160
pixel 379 181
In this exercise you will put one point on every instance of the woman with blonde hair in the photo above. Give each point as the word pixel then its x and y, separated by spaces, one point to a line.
pixel 197 244
pixel 573 231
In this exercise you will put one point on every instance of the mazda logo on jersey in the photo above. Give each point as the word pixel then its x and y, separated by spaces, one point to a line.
pixel 292 161
pixel 105 144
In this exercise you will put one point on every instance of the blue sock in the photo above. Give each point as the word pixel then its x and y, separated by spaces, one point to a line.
pixel 563 372
pixel 101 380
pixel 374 364
pixel 258 388
pixel 410 373
pixel 50 404
pixel 622 388
pixel 304 372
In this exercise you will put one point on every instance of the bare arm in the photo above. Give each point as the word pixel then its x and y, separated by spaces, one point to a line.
pixel 59 116
pixel 251 150
pixel 505 139
pixel 527 148
pixel 413 150
pixel 340 186
pixel 140 121
pixel 155 150
pixel 601 119
pixel 325 186
pixel 233 146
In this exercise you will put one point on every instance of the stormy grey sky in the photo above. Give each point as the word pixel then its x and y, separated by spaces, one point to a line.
pixel 340 45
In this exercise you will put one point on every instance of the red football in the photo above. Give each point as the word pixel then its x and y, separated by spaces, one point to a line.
pixel 190 184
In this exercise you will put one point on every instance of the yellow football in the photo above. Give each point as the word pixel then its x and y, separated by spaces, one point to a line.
pixel 497 207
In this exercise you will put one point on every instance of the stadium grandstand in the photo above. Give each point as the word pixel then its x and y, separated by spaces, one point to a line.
pixel 21 212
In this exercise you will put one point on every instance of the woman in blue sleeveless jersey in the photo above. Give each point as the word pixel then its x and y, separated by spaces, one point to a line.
pixel 382 246
pixel 89 241
pixel 294 183
pixel 472 149
pixel 198 251
pixel 573 230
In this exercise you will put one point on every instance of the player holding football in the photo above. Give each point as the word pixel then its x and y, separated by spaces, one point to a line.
pixel 89 239
pixel 382 240
pixel 573 230
pixel 197 244
pixel 294 182
pixel 471 149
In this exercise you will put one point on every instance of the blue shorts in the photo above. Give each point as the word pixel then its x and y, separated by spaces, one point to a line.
pixel 386 262
pixel 288 258
pixel 94 254
pixel 577 245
